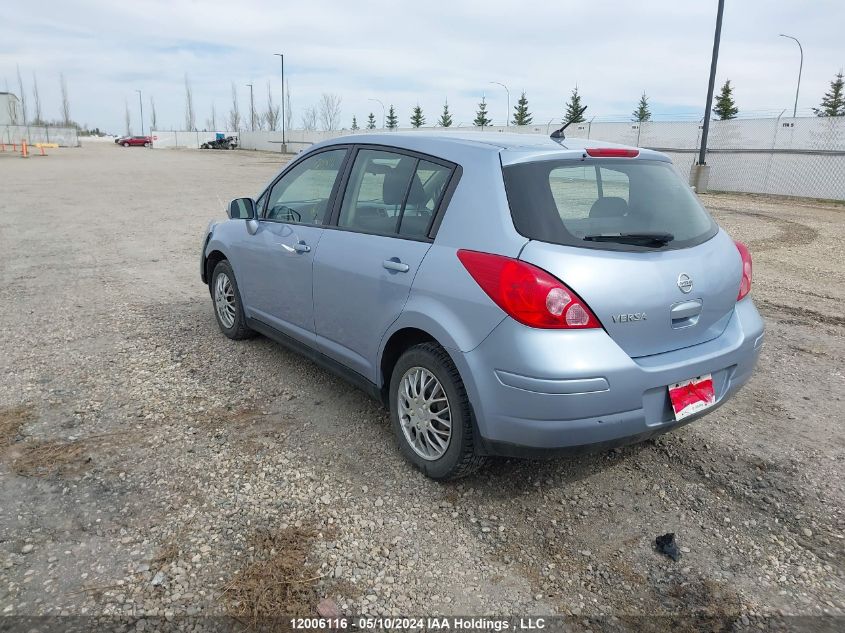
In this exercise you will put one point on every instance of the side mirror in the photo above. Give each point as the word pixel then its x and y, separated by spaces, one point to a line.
pixel 242 209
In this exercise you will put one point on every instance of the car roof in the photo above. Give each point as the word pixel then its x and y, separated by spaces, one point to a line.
pixel 512 147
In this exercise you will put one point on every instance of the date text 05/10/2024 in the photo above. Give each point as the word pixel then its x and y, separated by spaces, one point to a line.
pixel 429 623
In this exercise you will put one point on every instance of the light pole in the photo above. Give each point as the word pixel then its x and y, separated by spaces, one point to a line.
pixel 382 110
pixel 800 68
pixel 699 175
pixel 284 141
pixel 141 103
pixel 507 119
pixel 251 109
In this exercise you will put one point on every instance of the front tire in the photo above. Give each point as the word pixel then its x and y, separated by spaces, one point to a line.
pixel 228 308
pixel 430 414
pixel 147 144
pixel 126 145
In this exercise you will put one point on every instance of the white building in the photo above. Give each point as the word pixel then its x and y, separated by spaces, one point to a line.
pixel 11 112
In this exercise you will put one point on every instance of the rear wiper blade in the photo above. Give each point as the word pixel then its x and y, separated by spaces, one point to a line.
pixel 639 239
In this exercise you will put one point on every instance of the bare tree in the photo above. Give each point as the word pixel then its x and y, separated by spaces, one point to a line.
pixel 65 102
pixel 128 119
pixel 190 116
pixel 211 122
pixel 153 119
pixel 288 107
pixel 36 101
pixel 23 96
pixel 309 119
pixel 272 115
pixel 329 111
pixel 235 112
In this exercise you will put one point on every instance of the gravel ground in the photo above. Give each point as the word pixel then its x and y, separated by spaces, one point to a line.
pixel 150 466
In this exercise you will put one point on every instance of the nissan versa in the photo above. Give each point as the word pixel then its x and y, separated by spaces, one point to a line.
pixel 502 294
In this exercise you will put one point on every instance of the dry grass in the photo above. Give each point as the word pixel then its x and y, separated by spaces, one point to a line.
pixel 11 421
pixel 43 458
pixel 278 581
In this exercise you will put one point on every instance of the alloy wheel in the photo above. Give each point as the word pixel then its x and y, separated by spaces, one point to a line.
pixel 424 413
pixel 224 300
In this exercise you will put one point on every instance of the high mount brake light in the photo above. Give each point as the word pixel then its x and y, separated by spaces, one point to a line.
pixel 745 284
pixel 612 152
pixel 528 294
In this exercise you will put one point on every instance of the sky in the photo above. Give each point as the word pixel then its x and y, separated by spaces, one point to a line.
pixel 424 53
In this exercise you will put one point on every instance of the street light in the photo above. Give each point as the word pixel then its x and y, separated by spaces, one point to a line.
pixel 507 119
pixel 284 143
pixel 251 109
pixel 699 174
pixel 800 68
pixel 141 103
pixel 382 111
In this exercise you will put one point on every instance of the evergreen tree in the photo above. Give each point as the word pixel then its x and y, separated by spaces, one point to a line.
pixel 642 113
pixel 521 115
pixel 481 118
pixel 392 119
pixel 833 102
pixel 371 121
pixel 445 118
pixel 417 118
pixel 573 109
pixel 355 127
pixel 725 107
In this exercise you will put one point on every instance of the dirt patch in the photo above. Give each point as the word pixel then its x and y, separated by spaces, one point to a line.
pixel 11 422
pixel 790 233
pixel 802 314
pixel 278 581
pixel 44 458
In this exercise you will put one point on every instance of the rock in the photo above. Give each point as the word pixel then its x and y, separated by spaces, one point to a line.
pixel 158 579
pixel 26 549
pixel 327 608
pixel 807 532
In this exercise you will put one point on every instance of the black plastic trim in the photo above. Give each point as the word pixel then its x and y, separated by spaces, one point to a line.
pixel 317 357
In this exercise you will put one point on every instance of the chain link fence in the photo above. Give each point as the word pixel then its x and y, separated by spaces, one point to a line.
pixel 786 156
pixel 802 157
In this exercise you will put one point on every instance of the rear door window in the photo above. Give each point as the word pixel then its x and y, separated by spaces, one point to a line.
pixel 392 194
pixel 576 202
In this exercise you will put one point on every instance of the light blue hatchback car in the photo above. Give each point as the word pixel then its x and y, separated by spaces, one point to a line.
pixel 502 294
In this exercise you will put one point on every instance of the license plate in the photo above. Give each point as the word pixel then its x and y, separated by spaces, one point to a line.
pixel 691 396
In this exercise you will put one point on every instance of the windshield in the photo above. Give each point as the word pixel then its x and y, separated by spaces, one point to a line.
pixel 620 204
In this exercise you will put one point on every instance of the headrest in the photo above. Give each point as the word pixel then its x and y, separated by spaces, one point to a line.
pixel 609 207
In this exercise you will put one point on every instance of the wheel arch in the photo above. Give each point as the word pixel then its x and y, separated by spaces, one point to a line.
pixel 211 260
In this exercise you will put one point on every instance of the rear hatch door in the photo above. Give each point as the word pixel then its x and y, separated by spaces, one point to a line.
pixel 627 234
pixel 650 302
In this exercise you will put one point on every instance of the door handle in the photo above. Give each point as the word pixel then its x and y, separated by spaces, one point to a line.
pixel 395 264
pixel 302 247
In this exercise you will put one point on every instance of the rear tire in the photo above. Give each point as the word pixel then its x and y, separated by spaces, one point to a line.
pixel 147 144
pixel 228 308
pixel 424 386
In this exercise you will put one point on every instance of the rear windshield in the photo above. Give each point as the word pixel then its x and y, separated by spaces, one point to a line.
pixel 591 202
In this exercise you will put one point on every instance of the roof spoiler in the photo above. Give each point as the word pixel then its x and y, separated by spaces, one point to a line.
pixel 558 134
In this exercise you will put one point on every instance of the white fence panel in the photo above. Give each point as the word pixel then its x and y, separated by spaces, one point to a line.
pixel 63 136
pixel 190 139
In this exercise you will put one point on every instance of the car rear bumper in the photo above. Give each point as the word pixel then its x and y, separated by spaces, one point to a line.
pixel 535 392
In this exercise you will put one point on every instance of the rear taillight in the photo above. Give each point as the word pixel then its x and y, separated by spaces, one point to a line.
pixel 612 152
pixel 745 284
pixel 528 294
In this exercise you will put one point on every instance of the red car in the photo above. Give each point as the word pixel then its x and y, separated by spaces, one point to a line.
pixel 126 141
